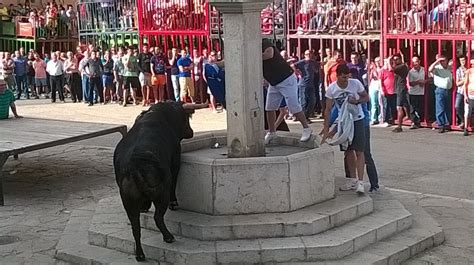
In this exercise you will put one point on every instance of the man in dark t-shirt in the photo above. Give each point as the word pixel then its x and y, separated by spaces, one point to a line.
pixel 400 84
pixel 283 84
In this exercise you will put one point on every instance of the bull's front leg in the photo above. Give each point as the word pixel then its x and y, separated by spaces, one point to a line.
pixel 173 205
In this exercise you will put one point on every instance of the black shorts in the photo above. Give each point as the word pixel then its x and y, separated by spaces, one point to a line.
pixel 132 80
pixel 402 98
pixel 358 142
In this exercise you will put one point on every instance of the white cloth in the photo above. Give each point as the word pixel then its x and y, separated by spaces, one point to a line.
pixel 345 125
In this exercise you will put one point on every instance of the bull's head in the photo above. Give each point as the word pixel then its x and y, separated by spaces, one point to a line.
pixel 189 109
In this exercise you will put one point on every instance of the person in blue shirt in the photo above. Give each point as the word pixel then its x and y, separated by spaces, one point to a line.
pixel 357 67
pixel 306 86
pixel 20 75
pixel 186 84
pixel 215 79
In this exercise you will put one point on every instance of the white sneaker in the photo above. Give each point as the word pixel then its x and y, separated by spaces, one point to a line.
pixel 351 184
pixel 306 135
pixel 360 187
pixel 270 136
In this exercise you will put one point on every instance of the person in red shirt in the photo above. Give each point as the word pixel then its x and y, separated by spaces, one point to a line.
pixel 387 78
pixel 330 75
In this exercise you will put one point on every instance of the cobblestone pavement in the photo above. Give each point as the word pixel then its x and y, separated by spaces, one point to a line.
pixel 43 187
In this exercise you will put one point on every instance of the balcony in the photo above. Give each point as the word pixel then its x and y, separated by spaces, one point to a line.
pixel 323 17
pixel 272 20
pixel 448 18
pixel 38 29
pixel 173 17
pixel 107 16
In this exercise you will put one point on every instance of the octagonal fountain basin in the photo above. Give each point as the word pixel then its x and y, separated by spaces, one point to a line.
pixel 291 176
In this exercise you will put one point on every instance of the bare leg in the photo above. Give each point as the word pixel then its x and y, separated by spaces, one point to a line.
pixel 400 115
pixel 134 96
pixel 301 117
pixel 271 117
pixel 281 117
pixel 351 160
pixel 360 164
pixel 125 96
pixel 156 95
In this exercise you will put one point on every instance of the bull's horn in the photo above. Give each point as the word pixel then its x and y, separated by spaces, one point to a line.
pixel 193 106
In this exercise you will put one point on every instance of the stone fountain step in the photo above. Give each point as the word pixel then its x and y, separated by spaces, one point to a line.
pixel 303 222
pixel 424 234
pixel 115 234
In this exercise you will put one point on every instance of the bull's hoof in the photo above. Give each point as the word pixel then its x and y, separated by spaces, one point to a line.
pixel 173 206
pixel 140 258
pixel 170 239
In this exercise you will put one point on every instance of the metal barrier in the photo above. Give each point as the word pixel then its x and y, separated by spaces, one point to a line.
pixel 432 17
pixel 272 20
pixel 368 48
pixel 173 17
pixel 96 16
pixel 105 41
pixel 334 17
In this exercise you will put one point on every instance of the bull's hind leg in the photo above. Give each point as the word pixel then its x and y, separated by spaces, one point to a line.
pixel 160 210
pixel 133 213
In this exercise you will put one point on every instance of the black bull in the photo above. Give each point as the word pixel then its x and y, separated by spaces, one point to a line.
pixel 147 162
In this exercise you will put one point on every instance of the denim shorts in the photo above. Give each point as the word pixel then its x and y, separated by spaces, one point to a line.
pixel 41 82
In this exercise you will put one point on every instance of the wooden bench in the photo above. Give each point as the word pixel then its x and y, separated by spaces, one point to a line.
pixel 19 136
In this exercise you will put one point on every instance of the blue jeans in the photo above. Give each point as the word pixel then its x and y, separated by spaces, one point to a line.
pixel 175 83
pixel 369 161
pixel 441 96
pixel 307 96
pixel 459 108
pixel 22 86
pixel 374 105
pixel 85 88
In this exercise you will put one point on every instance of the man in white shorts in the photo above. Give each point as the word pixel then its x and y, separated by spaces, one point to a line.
pixel 283 84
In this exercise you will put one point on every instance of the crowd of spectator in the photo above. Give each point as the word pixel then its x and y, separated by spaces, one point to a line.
pixel 328 16
pixel 364 16
pixel 121 75
pixel 397 88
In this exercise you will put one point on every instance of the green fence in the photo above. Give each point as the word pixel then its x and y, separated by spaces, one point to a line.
pixel 107 40
pixel 11 44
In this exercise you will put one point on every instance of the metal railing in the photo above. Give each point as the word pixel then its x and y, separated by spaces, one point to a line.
pixel 272 19
pixel 107 16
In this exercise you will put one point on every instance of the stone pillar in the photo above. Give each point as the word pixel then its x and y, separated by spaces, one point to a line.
pixel 243 67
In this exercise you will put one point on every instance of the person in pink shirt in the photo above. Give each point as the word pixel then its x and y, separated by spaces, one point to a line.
pixel 41 83
pixel 387 78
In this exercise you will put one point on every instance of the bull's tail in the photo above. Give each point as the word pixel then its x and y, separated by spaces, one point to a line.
pixel 149 177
